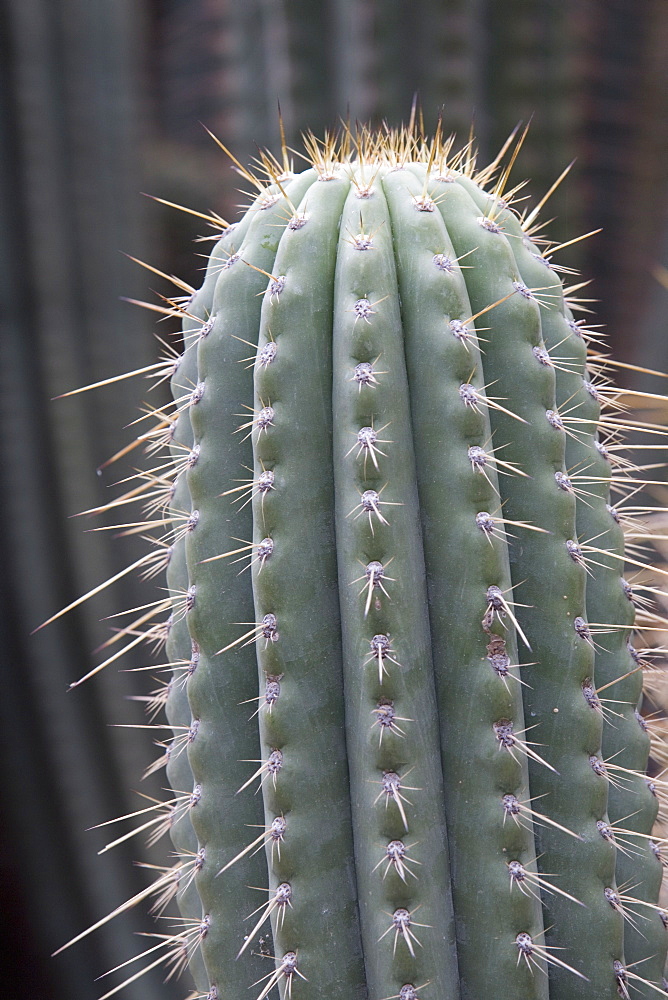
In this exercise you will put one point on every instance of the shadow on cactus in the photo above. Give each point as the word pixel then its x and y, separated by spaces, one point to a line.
pixel 405 668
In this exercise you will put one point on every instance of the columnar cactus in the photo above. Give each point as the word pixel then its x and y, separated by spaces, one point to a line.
pixel 407 755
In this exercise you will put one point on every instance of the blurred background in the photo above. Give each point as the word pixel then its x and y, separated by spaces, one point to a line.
pixel 103 100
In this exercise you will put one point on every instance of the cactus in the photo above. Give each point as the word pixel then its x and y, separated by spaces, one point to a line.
pixel 406 749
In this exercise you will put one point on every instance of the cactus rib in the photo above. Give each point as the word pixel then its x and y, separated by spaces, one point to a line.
pixel 391 714
pixel 297 589
pixel 222 682
pixel 475 661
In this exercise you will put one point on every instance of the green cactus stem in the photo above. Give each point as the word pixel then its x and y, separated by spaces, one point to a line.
pixel 398 604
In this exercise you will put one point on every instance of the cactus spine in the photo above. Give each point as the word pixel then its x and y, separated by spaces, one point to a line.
pixel 411 460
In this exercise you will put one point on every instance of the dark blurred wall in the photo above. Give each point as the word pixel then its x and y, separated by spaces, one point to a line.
pixel 102 100
pixel 73 117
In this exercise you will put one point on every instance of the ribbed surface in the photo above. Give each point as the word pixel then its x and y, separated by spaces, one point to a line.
pixel 378 345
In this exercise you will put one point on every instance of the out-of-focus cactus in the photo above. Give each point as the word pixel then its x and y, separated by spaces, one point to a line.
pixel 405 685
pixel 71 138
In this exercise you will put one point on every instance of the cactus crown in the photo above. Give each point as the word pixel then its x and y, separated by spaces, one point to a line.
pixel 397 609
